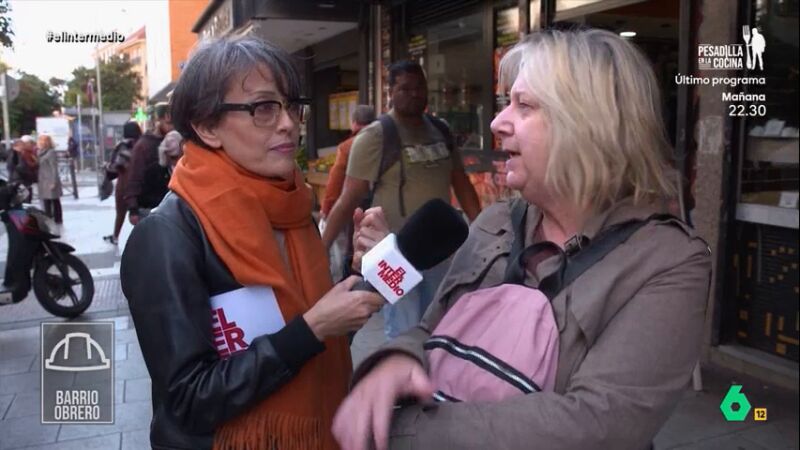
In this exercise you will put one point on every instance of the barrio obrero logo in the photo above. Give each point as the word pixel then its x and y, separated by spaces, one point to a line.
pixel 77 372
pixel 749 55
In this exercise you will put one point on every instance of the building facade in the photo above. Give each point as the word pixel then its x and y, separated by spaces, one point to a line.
pixel 134 47
pixel 172 30
pixel 732 118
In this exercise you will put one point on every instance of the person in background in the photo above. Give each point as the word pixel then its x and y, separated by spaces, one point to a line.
pixel 341 249
pixel 147 180
pixel 363 115
pixel 170 151
pixel 425 167
pixel 240 326
pixel 74 155
pixel 22 164
pixel 118 167
pixel 588 153
pixel 50 190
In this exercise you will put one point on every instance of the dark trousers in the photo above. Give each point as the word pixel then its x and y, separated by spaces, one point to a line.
pixel 119 202
pixel 53 209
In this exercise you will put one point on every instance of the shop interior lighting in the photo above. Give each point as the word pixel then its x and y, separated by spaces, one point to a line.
pixel 628 34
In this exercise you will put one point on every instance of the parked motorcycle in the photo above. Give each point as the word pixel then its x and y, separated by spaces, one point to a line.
pixel 61 282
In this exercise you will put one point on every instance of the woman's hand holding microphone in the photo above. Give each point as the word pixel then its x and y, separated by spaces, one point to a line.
pixel 341 310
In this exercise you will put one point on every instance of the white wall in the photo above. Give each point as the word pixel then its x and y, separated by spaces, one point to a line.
pixel 158 47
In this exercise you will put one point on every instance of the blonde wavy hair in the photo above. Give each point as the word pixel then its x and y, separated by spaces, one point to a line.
pixel 602 103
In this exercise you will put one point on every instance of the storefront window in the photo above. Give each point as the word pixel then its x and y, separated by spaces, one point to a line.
pixel 567 9
pixel 764 243
pixel 563 5
pixel 447 53
pixel 534 12
pixel 770 165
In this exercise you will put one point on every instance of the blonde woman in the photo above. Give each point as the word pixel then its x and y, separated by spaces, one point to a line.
pixel 587 152
pixel 49 182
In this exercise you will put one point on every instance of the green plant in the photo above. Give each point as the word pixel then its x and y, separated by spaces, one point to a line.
pixel 301 158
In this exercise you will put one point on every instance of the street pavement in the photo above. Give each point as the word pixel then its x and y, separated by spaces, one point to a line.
pixel 697 423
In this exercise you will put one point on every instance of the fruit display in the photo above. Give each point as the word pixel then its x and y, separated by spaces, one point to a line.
pixel 323 164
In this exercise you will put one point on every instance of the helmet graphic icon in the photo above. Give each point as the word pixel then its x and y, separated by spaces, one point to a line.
pixel 83 365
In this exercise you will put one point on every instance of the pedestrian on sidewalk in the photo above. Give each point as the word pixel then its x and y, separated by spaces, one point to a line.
pixel 589 156
pixel 118 164
pixel 22 164
pixel 74 154
pixel 50 190
pixel 147 180
pixel 341 251
pixel 240 326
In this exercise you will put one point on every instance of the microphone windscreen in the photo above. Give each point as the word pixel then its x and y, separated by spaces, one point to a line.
pixel 433 233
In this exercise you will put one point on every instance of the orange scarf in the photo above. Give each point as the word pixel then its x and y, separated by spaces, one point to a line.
pixel 239 211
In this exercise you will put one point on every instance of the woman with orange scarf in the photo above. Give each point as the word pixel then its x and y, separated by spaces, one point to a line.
pixel 227 280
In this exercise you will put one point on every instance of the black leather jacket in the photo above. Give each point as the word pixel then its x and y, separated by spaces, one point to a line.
pixel 169 271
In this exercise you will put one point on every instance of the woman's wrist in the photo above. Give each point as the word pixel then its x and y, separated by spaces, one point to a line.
pixel 314 324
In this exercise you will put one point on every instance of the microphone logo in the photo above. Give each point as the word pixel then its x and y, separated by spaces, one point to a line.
pixel 392 277
pixel 388 271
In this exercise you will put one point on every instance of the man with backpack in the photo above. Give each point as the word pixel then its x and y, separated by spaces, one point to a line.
pixel 399 162
pixel 147 181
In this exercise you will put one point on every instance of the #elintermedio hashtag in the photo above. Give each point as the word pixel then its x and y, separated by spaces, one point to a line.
pixel 77 37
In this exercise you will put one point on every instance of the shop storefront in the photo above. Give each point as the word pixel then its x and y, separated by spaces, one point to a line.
pixel 733 120
pixel 736 144
pixel 763 236
pixel 454 40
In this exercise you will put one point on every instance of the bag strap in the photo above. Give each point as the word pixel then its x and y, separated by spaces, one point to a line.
pixel 440 125
pixel 515 272
pixel 575 265
pixel 572 265
pixel 390 154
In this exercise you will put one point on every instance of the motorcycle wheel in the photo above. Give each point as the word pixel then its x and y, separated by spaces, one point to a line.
pixel 59 296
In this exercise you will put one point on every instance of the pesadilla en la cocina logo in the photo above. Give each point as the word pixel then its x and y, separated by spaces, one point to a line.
pixel 392 277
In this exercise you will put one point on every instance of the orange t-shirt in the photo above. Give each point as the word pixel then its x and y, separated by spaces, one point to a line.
pixel 336 176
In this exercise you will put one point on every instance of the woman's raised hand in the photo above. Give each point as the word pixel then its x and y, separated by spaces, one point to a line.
pixel 364 418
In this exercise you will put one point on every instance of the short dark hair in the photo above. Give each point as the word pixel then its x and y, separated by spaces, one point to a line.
pixel 160 110
pixel 363 114
pixel 209 72
pixel 401 67
pixel 131 130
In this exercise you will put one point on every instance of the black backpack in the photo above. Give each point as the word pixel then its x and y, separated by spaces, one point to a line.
pixel 155 186
pixel 392 153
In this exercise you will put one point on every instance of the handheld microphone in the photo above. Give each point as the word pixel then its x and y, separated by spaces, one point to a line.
pixel 433 233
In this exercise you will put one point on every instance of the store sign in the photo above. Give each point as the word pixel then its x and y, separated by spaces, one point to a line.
pixel 221 22
pixel 506 27
pixel 340 109
pixel 416 47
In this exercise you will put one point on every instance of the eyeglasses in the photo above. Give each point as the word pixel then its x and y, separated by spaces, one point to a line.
pixel 265 113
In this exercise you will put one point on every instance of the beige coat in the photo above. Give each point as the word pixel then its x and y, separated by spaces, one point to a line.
pixel 630 333
pixel 49 181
